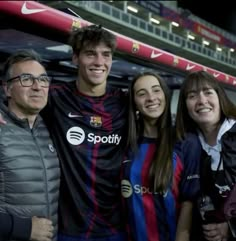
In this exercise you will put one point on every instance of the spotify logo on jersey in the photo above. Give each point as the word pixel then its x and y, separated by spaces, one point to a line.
pixel 75 135
pixel 126 188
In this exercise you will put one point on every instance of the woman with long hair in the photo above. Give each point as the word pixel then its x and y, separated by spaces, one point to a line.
pixel 159 178
pixel 205 109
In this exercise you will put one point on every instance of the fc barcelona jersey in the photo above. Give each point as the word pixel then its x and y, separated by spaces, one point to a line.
pixel 153 216
pixel 89 136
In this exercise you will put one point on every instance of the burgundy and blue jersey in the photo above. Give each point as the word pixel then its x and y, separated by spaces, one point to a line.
pixel 88 133
pixel 153 216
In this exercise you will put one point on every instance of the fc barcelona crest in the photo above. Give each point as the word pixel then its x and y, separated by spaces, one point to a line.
pixel 135 48
pixel 75 25
pixel 96 121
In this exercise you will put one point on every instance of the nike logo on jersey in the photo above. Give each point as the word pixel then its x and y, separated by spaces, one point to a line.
pixel 25 10
pixel 125 161
pixel 74 115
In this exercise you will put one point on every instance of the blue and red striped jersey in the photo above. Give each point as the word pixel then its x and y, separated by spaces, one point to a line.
pixel 153 216
pixel 88 134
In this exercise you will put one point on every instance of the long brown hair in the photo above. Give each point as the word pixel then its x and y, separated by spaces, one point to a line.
pixel 160 173
pixel 198 80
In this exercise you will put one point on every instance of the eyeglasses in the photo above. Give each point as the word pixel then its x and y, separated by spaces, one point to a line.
pixel 28 80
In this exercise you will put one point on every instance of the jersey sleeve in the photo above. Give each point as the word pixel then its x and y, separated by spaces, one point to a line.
pixel 189 151
pixel 47 111
pixel 13 227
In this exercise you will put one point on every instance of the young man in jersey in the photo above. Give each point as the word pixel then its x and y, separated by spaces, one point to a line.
pixel 88 125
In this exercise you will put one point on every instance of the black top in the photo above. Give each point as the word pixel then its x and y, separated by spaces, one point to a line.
pixel 13 227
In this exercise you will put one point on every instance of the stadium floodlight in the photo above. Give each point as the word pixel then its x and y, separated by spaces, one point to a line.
pixel 175 24
pixel 206 42
pixel 191 37
pixel 154 20
pixel 132 9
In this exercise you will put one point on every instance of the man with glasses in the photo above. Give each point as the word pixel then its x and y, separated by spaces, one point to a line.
pixel 29 167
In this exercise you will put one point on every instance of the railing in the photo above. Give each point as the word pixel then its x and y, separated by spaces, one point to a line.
pixel 129 21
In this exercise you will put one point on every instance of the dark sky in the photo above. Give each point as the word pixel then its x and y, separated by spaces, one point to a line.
pixel 219 13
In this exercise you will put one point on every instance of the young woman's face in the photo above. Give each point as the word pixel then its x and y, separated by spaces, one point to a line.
pixel 204 107
pixel 149 97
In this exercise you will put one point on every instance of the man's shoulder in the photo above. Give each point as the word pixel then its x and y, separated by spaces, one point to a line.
pixel 116 91
pixel 59 86
pixel 5 114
